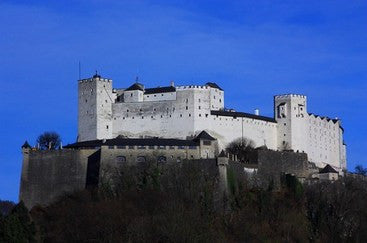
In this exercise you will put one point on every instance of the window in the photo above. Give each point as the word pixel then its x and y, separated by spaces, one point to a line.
pixel 107 127
pixel 161 147
pixel 181 147
pixel 207 143
pixel 199 115
pixel 220 100
pixel 171 147
pixel 199 107
pixel 151 147
pixel 121 147
pixel 206 115
pixel 131 95
pixel 192 147
pixel 140 110
pixel 140 159
pixel 162 94
pixel 120 159
pixel 189 115
pixel 187 107
pixel 127 110
pixel 285 124
pixel 141 147
pixel 180 115
pixel 86 101
pixel 154 109
pixel 106 101
pixel 111 147
pixel 162 159
pixel 131 147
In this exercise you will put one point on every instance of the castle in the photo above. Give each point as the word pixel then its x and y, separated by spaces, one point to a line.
pixel 182 112
pixel 174 124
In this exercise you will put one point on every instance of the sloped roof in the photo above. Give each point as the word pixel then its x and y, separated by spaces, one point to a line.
pixel 213 85
pixel 136 86
pixel 160 90
pixel 119 141
pixel 26 145
pixel 328 169
pixel 242 114
pixel 204 136
pixel 222 154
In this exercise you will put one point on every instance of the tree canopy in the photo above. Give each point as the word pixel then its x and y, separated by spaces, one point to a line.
pixel 49 140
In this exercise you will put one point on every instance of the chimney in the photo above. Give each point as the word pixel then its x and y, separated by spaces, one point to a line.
pixel 172 83
pixel 257 112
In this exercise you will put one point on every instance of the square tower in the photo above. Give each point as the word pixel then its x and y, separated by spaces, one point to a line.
pixel 291 114
pixel 95 108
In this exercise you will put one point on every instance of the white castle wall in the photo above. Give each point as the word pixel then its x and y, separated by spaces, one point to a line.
pixel 187 111
pixel 227 129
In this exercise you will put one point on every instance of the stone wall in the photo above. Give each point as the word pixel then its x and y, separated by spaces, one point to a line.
pixel 47 175
pixel 272 164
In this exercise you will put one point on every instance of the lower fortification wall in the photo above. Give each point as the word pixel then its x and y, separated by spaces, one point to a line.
pixel 272 165
pixel 47 175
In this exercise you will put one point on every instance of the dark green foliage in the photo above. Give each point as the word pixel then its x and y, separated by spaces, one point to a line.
pixel 48 140
pixel 17 226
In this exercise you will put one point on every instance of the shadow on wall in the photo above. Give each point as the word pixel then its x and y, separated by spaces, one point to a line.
pixel 93 166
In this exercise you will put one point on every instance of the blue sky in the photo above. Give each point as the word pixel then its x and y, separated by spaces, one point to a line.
pixel 253 49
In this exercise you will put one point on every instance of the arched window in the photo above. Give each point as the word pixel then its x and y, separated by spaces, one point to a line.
pixel 120 159
pixel 162 159
pixel 140 159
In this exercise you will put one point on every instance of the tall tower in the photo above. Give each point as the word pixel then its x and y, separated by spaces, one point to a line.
pixel 291 114
pixel 94 108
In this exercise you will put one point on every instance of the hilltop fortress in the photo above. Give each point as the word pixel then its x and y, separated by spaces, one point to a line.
pixel 176 125
pixel 182 112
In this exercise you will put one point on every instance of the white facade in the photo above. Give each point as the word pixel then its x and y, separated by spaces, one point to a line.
pixel 184 111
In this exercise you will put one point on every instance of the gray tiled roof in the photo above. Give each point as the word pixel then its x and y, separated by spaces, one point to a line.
pixel 242 114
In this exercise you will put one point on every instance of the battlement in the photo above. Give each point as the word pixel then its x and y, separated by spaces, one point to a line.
pixel 287 96
pixel 92 79
pixel 192 87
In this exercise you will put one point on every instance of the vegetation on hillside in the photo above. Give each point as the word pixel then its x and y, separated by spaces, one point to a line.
pixel 181 203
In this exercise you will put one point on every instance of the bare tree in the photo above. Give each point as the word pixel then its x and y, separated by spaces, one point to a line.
pixel 49 140
pixel 360 170
pixel 240 147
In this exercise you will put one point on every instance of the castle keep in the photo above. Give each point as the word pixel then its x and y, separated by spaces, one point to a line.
pixel 182 112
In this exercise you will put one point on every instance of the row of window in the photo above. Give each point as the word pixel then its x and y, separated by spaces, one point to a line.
pixel 142 117
pixel 141 159
pixel 151 147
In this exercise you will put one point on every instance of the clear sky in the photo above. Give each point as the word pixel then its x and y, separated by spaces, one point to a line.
pixel 253 49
